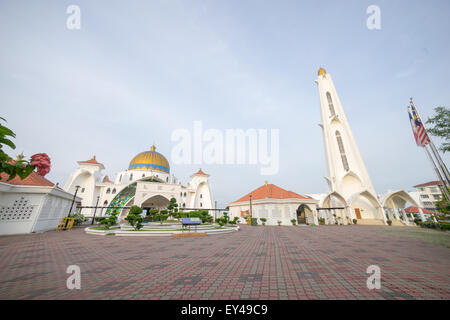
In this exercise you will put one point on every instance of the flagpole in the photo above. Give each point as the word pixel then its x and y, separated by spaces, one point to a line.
pixel 444 190
pixel 441 164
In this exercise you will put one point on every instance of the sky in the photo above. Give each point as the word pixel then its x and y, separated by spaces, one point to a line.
pixel 136 71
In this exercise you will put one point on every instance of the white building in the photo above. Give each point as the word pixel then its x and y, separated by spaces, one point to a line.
pixel 429 193
pixel 147 183
pixel 275 204
pixel 33 204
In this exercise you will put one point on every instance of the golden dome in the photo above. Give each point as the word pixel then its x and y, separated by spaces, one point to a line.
pixel 321 72
pixel 150 160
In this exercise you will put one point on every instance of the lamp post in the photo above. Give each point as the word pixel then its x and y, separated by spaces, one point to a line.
pixel 73 200
pixel 251 211
pixel 95 210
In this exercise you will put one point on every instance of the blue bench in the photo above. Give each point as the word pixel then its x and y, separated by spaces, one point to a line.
pixel 188 222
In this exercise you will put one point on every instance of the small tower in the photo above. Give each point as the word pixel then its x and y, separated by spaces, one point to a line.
pixel 349 183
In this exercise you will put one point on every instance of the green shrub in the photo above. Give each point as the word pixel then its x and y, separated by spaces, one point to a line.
pixel 254 221
pixel 293 221
pixel 355 221
pixel 78 218
pixel 134 217
pixel 109 221
pixel 389 222
pixel 444 225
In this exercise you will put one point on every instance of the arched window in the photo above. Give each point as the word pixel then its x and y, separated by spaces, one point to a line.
pixel 131 177
pixel 143 175
pixel 184 205
pixel 201 196
pixel 330 105
pixel 113 190
pixel 120 179
pixel 342 150
pixel 108 190
pixel 82 190
pixel 201 205
pixel 105 203
pixel 181 194
pixel 167 179
pixel 185 194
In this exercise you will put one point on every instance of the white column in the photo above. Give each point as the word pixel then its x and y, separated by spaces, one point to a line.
pixel 405 217
pixel 421 214
pixel 394 208
pixel 316 220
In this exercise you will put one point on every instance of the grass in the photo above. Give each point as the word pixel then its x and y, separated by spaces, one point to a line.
pixel 441 238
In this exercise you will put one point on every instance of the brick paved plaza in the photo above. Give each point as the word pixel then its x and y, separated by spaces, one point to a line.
pixel 327 262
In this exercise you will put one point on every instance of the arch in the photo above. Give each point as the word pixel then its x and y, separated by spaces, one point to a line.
pixel 364 199
pixel 108 190
pixel 113 191
pixel 330 215
pixel 351 183
pixel 105 203
pixel 394 203
pixel 155 202
pixel 122 198
pixel 304 214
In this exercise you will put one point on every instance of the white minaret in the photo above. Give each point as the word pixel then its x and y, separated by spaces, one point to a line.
pixel 347 177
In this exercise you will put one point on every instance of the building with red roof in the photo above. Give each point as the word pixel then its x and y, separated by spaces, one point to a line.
pixel 275 204
pixel 33 204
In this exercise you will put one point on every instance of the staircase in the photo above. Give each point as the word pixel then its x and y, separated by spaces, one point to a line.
pixel 371 222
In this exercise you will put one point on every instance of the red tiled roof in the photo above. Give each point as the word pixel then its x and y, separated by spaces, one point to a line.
pixel 431 183
pixel 93 161
pixel 201 172
pixel 413 209
pixel 271 191
pixel 34 179
pixel 106 179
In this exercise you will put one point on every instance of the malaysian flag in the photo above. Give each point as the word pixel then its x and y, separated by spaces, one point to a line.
pixel 418 129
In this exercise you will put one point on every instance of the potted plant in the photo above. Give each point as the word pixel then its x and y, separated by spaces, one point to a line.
pixel 293 221
pixel 321 221
pixel 339 220
pixel 279 222
pixel 355 221
pixel 389 222
pixel 263 221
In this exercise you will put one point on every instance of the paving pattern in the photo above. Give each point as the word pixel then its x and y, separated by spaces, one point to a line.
pixel 272 262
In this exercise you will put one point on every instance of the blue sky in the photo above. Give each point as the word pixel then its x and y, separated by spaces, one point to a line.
pixel 138 70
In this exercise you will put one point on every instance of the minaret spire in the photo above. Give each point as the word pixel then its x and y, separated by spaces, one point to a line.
pixel 347 176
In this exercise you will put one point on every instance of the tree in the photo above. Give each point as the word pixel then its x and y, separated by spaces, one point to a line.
pixel 20 167
pixel 134 217
pixel 109 221
pixel 173 207
pixel 441 126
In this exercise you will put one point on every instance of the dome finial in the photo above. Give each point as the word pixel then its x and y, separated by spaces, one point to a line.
pixel 321 72
pixel 153 148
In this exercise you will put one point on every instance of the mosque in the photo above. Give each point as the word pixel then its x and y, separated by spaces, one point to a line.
pixel 147 183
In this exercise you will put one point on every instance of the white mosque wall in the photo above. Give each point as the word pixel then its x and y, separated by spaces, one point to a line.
pixel 273 210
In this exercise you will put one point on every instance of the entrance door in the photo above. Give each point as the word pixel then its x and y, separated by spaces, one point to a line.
pixel 301 214
pixel 358 213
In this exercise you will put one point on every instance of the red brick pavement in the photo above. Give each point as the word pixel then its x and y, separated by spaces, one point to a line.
pixel 277 262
